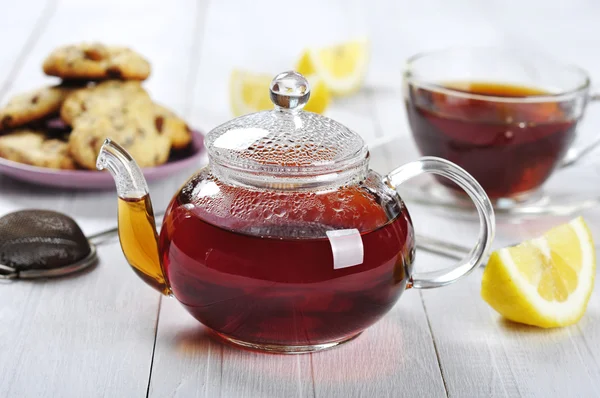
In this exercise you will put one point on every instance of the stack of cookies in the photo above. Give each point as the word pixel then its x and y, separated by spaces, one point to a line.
pixel 100 97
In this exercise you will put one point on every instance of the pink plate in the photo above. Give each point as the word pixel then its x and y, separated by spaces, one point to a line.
pixel 91 179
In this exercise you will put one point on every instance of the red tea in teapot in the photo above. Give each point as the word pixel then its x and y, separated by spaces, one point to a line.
pixel 262 268
pixel 286 241
pixel 510 147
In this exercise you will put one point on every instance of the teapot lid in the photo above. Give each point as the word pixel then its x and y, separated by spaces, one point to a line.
pixel 286 141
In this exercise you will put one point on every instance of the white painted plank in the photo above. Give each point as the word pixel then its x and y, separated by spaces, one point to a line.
pixel 390 110
pixel 356 113
pixel 189 362
pixel 393 358
pixel 256 375
pixel 159 31
pixel 95 330
pixel 483 355
pixel 480 354
pixel 82 336
pixel 22 25
pixel 266 36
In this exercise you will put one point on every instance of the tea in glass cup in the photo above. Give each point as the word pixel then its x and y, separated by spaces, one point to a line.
pixel 507 117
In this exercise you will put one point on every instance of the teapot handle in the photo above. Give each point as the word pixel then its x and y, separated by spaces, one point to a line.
pixel 445 168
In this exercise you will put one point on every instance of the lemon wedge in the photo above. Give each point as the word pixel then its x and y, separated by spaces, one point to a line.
pixel 249 92
pixel 342 67
pixel 545 281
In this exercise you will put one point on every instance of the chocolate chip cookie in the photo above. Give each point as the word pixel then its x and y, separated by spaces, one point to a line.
pixel 32 106
pixel 169 124
pixel 95 61
pixel 121 112
pixel 35 148
pixel 112 96
pixel 89 132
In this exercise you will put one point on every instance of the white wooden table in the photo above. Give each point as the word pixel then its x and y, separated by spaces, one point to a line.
pixel 105 333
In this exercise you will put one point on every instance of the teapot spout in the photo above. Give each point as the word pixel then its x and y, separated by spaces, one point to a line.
pixel 137 228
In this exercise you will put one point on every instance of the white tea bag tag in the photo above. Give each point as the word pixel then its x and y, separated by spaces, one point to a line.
pixel 347 247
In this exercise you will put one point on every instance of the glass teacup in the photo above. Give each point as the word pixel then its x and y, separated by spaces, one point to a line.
pixel 508 117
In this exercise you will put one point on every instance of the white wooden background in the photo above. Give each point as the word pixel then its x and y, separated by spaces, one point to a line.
pixel 105 333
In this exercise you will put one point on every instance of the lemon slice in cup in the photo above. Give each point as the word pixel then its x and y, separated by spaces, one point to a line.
pixel 249 92
pixel 544 282
pixel 342 67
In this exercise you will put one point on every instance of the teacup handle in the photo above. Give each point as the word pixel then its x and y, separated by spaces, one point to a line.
pixel 445 168
pixel 574 155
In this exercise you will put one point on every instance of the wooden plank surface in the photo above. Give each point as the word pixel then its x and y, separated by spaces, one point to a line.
pixel 189 363
pixel 104 333
pixel 393 358
pixel 22 28
pixel 91 334
pixel 479 353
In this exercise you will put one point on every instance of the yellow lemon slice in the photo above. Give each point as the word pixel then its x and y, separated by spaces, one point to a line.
pixel 342 67
pixel 249 92
pixel 546 281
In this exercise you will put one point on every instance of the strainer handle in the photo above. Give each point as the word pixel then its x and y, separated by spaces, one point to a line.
pixel 445 168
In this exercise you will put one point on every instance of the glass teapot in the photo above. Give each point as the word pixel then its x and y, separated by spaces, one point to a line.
pixel 286 241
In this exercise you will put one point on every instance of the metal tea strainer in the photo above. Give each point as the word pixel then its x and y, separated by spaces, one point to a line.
pixel 41 244
pixel 45 243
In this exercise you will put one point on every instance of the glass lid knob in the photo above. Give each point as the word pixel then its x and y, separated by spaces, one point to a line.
pixel 290 90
